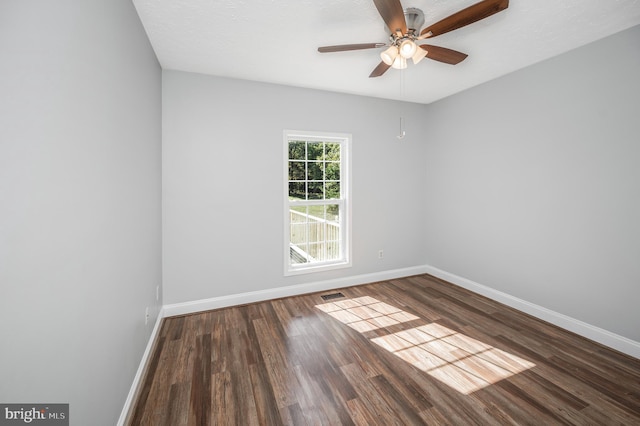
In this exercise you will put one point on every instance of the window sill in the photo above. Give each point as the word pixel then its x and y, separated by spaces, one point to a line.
pixel 316 268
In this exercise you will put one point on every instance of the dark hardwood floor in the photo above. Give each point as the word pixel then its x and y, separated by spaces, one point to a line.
pixel 409 351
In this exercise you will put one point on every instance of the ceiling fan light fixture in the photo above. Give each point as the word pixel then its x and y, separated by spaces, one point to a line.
pixel 408 48
pixel 389 55
pixel 419 55
pixel 399 63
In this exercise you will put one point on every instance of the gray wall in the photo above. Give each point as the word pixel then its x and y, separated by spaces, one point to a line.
pixel 223 180
pixel 533 184
pixel 80 231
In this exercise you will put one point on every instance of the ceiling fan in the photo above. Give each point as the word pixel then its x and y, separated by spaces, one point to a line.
pixel 404 29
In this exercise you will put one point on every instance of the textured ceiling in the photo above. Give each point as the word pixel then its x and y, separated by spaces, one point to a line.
pixel 275 41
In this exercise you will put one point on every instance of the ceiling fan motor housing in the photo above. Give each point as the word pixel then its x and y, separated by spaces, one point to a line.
pixel 414 18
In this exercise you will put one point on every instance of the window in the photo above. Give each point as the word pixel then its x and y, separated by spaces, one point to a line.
pixel 317 201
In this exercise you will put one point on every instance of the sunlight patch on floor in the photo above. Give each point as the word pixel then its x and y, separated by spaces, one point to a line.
pixel 365 313
pixel 464 363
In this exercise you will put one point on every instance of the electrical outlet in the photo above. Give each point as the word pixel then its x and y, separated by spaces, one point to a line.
pixel 146 315
pixel 380 254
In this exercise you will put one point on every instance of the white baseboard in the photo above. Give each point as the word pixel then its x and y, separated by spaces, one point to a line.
pixel 128 404
pixel 294 290
pixel 607 338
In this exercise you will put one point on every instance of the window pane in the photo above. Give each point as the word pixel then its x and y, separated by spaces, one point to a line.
pixel 316 190
pixel 315 231
pixel 332 151
pixel 297 190
pixel 332 234
pixel 298 254
pixel 317 251
pixel 332 190
pixel 333 250
pixel 332 171
pixel 297 150
pixel 317 212
pixel 299 211
pixel 314 151
pixel 333 214
pixel 314 171
pixel 298 233
pixel 296 170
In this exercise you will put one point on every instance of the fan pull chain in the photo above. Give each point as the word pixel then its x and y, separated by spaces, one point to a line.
pixel 402 130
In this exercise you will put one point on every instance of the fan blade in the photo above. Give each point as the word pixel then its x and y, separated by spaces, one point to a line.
pixel 392 15
pixel 345 47
pixel 466 16
pixel 442 54
pixel 379 70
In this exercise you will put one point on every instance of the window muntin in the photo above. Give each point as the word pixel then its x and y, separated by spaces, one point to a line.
pixel 316 211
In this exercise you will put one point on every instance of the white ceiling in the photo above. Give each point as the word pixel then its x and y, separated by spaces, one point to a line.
pixel 275 41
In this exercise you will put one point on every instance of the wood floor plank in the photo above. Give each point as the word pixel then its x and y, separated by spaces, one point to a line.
pixel 244 404
pixel 414 350
pixel 263 395
pixel 280 370
pixel 200 408
pixel 360 414
pixel 222 401
pixel 178 397
pixel 375 404
pixel 405 411
pixel 319 404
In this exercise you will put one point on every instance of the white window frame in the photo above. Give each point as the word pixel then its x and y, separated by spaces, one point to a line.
pixel 344 260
